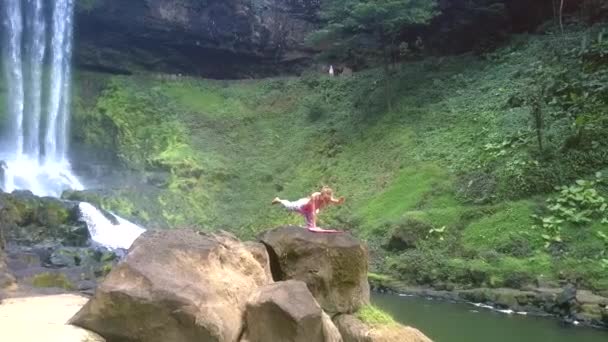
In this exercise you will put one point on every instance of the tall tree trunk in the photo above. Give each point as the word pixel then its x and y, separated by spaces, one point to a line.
pixel 537 115
pixel 554 4
pixel 387 78
pixel 561 16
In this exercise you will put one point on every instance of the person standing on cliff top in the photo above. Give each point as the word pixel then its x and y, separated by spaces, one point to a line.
pixel 310 206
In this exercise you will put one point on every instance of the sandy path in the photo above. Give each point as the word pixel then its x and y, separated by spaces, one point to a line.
pixel 42 318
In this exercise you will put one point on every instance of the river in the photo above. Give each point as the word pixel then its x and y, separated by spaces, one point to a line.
pixel 458 322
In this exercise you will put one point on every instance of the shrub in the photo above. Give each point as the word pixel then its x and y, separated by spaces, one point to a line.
pixel 373 315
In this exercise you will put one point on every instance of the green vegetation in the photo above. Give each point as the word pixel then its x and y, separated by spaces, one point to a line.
pixel 449 186
pixel 48 279
pixel 373 315
pixel 365 27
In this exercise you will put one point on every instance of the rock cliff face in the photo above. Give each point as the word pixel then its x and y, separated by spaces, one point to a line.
pixel 212 38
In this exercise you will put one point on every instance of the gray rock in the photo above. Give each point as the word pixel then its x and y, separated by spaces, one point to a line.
pixel 284 311
pixel 178 284
pixel 333 266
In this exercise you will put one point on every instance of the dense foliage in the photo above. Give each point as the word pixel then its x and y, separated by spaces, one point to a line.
pixel 367 28
pixel 450 188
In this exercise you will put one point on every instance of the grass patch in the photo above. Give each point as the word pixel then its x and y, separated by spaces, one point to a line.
pixel 58 280
pixel 508 230
pixel 370 314
pixel 404 194
pixel 378 277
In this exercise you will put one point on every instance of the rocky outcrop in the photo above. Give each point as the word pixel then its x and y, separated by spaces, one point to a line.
pixel 213 38
pixel 333 266
pixel 354 330
pixel 182 285
pixel 28 220
pixel 176 285
pixel 6 278
pixel 286 311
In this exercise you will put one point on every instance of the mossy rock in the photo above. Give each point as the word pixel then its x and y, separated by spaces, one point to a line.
pixel 354 329
pixel 52 280
pixel 373 315
pixel 29 220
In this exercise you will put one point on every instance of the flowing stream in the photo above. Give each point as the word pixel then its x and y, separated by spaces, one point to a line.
pixel 37 53
pixel 457 322
pixel 116 235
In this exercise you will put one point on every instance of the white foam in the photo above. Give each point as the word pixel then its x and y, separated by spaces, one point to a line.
pixel 41 178
pixel 107 234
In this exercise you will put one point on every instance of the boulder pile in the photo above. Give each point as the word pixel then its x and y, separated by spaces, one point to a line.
pixel 292 286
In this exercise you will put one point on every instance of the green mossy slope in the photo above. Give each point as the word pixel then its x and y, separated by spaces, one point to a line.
pixel 455 155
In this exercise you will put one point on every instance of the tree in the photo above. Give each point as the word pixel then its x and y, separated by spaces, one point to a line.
pixel 371 27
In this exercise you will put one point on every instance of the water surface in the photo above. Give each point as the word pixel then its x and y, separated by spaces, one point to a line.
pixel 457 322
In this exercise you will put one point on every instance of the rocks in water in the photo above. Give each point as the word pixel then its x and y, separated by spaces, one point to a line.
pixel 176 285
pixel 354 330
pixel 70 256
pixel 566 297
pixel 285 311
pixel 333 266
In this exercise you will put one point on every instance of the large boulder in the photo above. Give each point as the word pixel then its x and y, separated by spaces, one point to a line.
pixel 354 330
pixel 177 285
pixel 287 312
pixel 334 266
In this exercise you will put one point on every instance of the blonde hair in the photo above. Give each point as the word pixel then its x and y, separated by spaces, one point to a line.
pixel 327 190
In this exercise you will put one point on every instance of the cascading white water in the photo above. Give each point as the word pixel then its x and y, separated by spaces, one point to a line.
pixel 35 144
pixel 107 234
pixel 35 56
pixel 14 73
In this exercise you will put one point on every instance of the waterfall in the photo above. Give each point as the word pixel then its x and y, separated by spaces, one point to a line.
pixel 111 235
pixel 37 50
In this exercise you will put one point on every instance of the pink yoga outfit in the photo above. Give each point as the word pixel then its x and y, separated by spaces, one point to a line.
pixel 300 206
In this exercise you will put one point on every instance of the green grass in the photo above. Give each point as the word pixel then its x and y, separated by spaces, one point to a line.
pixel 404 194
pixel 231 146
pixel 508 230
pixel 372 315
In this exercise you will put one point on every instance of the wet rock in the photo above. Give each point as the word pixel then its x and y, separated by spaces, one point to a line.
pixel 30 220
pixel 567 298
pixel 179 284
pixel 74 256
pixel 333 266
